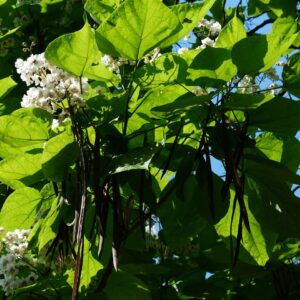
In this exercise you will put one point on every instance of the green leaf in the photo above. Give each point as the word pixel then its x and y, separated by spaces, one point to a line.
pixel 278 7
pixel 25 127
pixel 281 206
pixel 159 96
pixel 166 69
pixel 90 266
pixel 129 287
pixel 211 67
pixel 20 209
pixel 189 16
pixel 283 149
pixel 279 115
pixel 233 32
pixel 78 54
pixel 287 26
pixel 59 153
pixel 258 243
pixel 108 108
pixel 129 34
pixel 21 169
pixel 260 52
pixel 246 102
pixel 137 159
pixel 181 105
pixel 100 10
pixel 181 216
pixel 291 75
pixel 257 167
pixel 270 146
pixel 6 86
pixel 47 227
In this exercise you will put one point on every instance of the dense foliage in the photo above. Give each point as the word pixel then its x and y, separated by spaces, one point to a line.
pixel 149 149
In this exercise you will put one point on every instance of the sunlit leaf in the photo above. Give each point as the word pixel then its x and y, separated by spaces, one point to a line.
pixel 78 54
pixel 128 34
pixel 20 209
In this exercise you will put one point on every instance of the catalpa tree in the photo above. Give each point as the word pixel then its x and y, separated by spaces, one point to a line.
pixel 149 149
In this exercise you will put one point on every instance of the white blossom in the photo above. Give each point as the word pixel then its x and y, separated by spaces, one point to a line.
pixel 212 26
pixel 153 55
pixel 50 85
pixel 13 258
pixel 206 42
pixel 114 64
pixel 245 83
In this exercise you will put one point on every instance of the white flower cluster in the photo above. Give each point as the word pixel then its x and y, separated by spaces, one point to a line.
pixel 212 26
pixel 206 42
pixel 16 266
pixel 246 85
pixel 51 86
pixel 153 55
pixel 114 64
pixel 212 29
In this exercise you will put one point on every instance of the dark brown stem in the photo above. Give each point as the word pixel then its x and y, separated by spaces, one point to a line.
pixel 255 29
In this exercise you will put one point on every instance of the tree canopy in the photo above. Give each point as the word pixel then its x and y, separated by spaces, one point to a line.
pixel 149 149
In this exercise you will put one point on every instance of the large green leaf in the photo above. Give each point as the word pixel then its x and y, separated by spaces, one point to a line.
pixel 291 75
pixel 6 86
pixel 211 67
pixel 284 149
pixel 59 153
pixel 233 32
pixel 137 159
pixel 185 103
pixel 20 209
pixel 45 229
pixel 21 169
pixel 270 145
pixel 258 242
pixel 189 16
pixel 257 167
pixel 275 205
pixel 166 69
pixel 90 266
pixel 159 96
pixel 25 127
pixel 279 115
pixel 181 217
pixel 100 10
pixel 246 102
pixel 136 27
pixel 260 52
pixel 278 7
pixel 128 287
pixel 78 54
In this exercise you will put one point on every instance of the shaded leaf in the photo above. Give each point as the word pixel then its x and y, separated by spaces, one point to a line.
pixel 211 67
pixel 59 153
pixel 260 52
pixel 21 169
